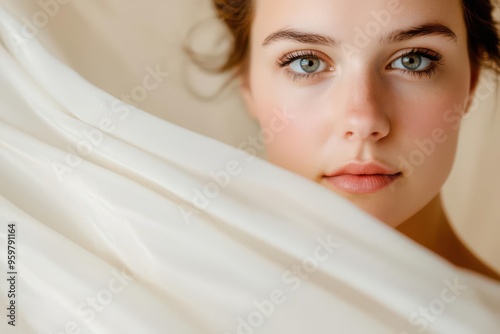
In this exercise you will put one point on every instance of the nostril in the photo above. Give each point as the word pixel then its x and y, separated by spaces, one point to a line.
pixel 376 135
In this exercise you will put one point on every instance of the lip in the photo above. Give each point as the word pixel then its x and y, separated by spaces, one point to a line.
pixel 362 178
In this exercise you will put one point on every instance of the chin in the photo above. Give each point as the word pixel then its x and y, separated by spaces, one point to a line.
pixel 385 210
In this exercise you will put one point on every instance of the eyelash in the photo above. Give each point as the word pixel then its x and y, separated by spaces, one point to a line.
pixel 435 58
pixel 289 58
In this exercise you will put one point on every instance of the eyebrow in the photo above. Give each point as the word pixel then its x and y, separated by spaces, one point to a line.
pixel 428 29
pixel 398 36
pixel 298 36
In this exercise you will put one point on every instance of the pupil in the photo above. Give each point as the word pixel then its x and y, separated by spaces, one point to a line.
pixel 309 65
pixel 412 62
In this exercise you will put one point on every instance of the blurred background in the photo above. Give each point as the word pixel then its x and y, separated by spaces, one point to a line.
pixel 135 51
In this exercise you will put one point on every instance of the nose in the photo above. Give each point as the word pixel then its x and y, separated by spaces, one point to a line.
pixel 363 115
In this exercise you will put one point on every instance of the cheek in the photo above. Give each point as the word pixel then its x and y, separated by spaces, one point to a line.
pixel 293 143
pixel 290 116
pixel 430 133
pixel 273 92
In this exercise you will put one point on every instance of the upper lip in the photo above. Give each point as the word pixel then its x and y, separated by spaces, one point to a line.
pixel 363 168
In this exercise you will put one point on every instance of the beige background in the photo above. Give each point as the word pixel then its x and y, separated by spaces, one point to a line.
pixel 113 43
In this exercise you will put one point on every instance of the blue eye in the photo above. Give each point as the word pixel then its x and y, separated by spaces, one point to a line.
pixel 412 62
pixel 308 65
pixel 418 62
pixel 304 64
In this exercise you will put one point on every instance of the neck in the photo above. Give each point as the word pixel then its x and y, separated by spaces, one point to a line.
pixel 431 228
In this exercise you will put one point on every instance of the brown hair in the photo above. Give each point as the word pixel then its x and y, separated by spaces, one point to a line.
pixel 237 15
pixel 483 35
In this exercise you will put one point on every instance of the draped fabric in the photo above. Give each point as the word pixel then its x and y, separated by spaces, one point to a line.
pixel 122 222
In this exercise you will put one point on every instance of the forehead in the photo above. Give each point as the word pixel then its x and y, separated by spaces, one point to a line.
pixel 343 19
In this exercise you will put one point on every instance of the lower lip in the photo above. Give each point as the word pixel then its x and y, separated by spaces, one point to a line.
pixel 361 184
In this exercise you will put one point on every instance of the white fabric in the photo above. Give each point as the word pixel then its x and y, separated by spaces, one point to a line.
pixel 108 39
pixel 112 238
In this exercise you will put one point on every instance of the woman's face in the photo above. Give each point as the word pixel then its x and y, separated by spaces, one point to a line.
pixel 370 94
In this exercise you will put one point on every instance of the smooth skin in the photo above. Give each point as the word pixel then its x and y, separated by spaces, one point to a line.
pixel 382 81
